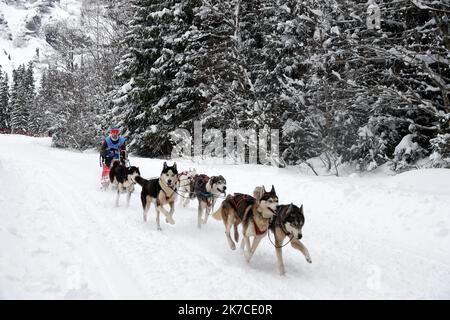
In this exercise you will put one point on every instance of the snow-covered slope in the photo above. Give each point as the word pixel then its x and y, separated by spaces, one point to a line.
pixel 61 237
pixel 23 26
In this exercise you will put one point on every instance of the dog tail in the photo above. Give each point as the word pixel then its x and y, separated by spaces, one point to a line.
pixel 257 193
pixel 114 164
pixel 141 181
pixel 218 214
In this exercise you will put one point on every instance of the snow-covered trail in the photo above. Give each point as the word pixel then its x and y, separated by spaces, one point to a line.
pixel 61 236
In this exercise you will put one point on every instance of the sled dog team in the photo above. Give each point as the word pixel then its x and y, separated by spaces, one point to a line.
pixel 258 214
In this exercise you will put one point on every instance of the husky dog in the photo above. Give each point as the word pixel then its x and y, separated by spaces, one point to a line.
pixel 184 190
pixel 288 222
pixel 160 191
pixel 207 190
pixel 124 177
pixel 254 214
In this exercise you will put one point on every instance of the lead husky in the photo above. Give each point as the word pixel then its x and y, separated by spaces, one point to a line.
pixel 288 222
pixel 124 177
pixel 160 191
pixel 254 214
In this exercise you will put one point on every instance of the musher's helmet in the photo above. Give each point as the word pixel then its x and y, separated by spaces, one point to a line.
pixel 114 129
pixel 114 132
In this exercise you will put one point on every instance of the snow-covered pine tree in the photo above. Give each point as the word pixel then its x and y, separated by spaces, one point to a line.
pixel 210 56
pixel 402 67
pixel 147 101
pixel 61 107
pixel 221 50
pixel 35 112
pixel 48 100
pixel 304 113
pixel 73 109
pixel 366 86
pixel 133 66
pixel 254 75
pixel 188 93
pixel 343 89
pixel 441 151
pixel 20 101
pixel 183 99
pixel 4 101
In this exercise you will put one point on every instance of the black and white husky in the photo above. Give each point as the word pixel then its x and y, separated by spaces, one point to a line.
pixel 288 223
pixel 207 190
pixel 124 178
pixel 160 191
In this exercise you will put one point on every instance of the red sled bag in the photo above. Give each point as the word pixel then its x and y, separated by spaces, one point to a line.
pixel 105 177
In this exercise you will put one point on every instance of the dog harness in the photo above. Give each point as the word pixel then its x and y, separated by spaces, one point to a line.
pixel 168 197
pixel 281 213
pixel 184 173
pixel 198 188
pixel 240 202
pixel 257 230
pixel 237 200
pixel 240 198
pixel 165 193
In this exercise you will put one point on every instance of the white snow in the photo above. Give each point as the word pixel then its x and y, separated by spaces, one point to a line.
pixel 335 30
pixel 406 146
pixel 336 74
pixel 370 237
pixel 317 12
pixel 161 13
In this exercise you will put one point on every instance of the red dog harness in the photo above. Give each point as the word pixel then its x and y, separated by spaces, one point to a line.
pixel 257 230
pixel 241 198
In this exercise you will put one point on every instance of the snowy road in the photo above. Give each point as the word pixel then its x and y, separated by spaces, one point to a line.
pixel 374 237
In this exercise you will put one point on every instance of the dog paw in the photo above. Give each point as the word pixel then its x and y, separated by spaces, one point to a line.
pixel 159 228
pixel 309 259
